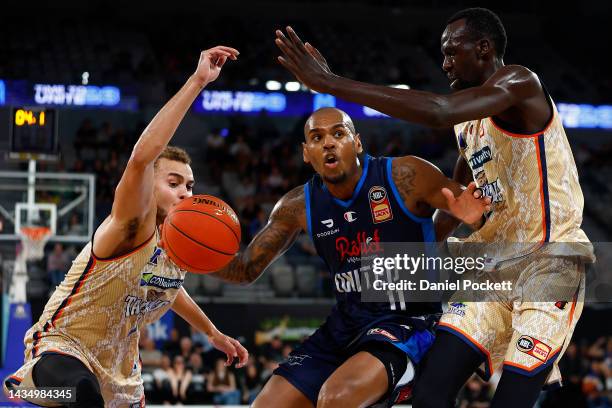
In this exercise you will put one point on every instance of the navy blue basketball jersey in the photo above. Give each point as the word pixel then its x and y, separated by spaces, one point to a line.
pixel 344 231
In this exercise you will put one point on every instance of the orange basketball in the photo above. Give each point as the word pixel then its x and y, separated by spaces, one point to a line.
pixel 201 234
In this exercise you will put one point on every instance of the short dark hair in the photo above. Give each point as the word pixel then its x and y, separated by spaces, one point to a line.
pixel 174 153
pixel 482 22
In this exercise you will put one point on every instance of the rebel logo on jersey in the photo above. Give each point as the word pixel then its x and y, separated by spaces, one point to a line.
pixel 380 205
pixel 360 246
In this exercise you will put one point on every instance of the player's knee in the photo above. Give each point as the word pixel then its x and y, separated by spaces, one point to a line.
pixel 335 395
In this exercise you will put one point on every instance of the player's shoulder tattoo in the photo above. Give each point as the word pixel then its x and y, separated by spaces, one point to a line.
pixel 404 174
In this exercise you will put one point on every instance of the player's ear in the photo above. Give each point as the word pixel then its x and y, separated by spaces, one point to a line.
pixel 358 145
pixel 483 47
pixel 305 153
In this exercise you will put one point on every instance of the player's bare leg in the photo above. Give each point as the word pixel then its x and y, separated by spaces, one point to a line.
pixel 360 382
pixel 278 392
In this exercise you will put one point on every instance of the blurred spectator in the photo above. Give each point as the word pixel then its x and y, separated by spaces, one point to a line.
pixel 162 377
pixel 85 136
pixel 222 383
pixel 572 366
pixel 257 223
pixel 172 346
pixel 240 149
pixel 215 146
pixel 475 394
pixel 196 364
pixel 273 350
pixel 251 382
pixel 180 378
pixel 58 263
pixel 75 227
pixel 149 355
pixel 199 339
pixel 186 346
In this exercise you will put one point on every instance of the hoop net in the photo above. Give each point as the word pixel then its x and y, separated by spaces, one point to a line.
pixel 33 240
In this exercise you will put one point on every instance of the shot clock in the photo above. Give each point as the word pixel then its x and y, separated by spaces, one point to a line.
pixel 33 133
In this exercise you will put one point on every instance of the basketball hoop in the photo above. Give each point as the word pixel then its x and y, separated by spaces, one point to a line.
pixel 33 240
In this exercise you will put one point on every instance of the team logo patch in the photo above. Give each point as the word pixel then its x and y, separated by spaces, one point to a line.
pixel 350 216
pixel 380 205
pixel 533 347
pixel 382 332
pixel 457 308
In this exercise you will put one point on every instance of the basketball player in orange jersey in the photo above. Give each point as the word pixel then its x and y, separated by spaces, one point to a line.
pixel 512 142
pixel 366 352
pixel 87 336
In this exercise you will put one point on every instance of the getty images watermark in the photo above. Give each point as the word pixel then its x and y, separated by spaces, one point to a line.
pixel 382 266
pixel 525 272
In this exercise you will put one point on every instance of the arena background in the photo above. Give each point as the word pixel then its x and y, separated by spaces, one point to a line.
pixel 244 133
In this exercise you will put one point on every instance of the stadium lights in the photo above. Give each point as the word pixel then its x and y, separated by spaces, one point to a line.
pixel 400 86
pixel 273 85
pixel 292 86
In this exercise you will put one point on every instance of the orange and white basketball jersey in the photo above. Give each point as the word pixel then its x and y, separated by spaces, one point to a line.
pixel 533 183
pixel 97 312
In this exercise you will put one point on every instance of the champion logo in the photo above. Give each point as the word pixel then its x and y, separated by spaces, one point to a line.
pixel 350 216
pixel 328 223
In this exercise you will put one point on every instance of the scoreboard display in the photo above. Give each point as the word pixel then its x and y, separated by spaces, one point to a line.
pixel 33 131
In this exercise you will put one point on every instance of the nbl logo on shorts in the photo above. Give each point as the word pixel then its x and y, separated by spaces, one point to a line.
pixel 533 347
pixel 524 344
pixel 380 205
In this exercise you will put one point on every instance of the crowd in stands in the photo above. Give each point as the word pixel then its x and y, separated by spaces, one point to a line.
pixel 187 370
pixel 153 59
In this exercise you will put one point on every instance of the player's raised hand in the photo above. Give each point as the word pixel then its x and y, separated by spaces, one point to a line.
pixel 469 206
pixel 211 61
pixel 231 347
pixel 303 60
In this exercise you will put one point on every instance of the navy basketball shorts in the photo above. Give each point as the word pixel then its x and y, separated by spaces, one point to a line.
pixel 400 347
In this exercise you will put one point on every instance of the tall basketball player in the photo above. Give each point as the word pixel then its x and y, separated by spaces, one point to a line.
pixel 365 352
pixel 87 336
pixel 512 142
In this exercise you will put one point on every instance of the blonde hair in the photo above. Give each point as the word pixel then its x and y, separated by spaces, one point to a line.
pixel 174 153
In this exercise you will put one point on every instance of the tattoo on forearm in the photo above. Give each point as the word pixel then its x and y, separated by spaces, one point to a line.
pixel 280 232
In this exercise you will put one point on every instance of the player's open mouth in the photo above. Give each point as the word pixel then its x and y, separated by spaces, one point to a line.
pixel 331 162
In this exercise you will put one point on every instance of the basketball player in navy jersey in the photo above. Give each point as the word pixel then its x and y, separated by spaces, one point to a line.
pixel 365 353
pixel 512 142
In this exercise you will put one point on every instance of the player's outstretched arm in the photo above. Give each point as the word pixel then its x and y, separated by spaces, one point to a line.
pixel 185 307
pixel 286 221
pixel 421 183
pixel 133 213
pixel 510 84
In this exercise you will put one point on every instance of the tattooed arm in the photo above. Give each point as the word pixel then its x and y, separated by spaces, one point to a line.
pixel 286 221
pixel 423 187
